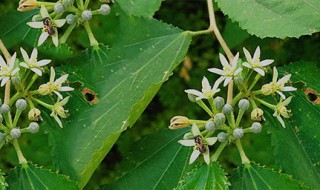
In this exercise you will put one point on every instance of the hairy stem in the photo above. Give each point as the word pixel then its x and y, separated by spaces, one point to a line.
pixel 22 159
pixel 67 33
pixel 93 41
pixel 216 155
pixel 243 155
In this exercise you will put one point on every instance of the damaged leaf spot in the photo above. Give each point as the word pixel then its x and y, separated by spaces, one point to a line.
pixel 90 96
pixel 312 96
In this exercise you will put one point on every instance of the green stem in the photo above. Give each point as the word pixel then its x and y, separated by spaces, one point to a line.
pixel 86 4
pixel 15 98
pixel 48 106
pixel 243 155
pixel 254 105
pixel 265 103
pixel 31 105
pixel 33 79
pixel 46 4
pixel 4 128
pixel 24 79
pixel 231 120
pixel 67 33
pixel 255 80
pixel 16 118
pixel 197 33
pixel 8 119
pixel 237 98
pixel 216 155
pixel 224 127
pixel 248 76
pixel 214 109
pixel 22 159
pixel 93 41
pixel 198 122
pixel 34 92
pixel 258 92
pixel 205 107
pixel 239 117
pixel 80 4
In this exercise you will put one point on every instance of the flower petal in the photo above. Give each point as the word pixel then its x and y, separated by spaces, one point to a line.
pixel 66 88
pixel 246 64
pixel 34 54
pixel 62 79
pixel 43 62
pixel 52 74
pixel 237 71
pixel 2 62
pixel 15 71
pixel 23 64
pixel 211 140
pixel 227 80
pixel 284 80
pixel 281 121
pixel 266 62
pixel 257 54
pixel 275 75
pixel 4 81
pixel 281 94
pixel 216 84
pixel 195 154
pixel 12 61
pixel 288 89
pixel 55 39
pixel 60 22
pixel 58 94
pixel 195 130
pixel 42 38
pixel 223 60
pixel 37 71
pixel 58 120
pixel 65 101
pixel 216 71
pixel 235 61
pixel 187 142
pixel 206 158
pixel 44 13
pixel 193 92
pixel 287 101
pixel 35 24
pixel 260 71
pixel 247 54
pixel 24 55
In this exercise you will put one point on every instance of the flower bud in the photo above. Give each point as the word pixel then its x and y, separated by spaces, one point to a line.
pixel 257 114
pixel 2 135
pixel 67 3
pixel 188 136
pixel 219 119
pixel 104 9
pixel 222 137
pixel 227 109
pixel 71 19
pixel 34 114
pixel 33 127
pixel 192 98
pixel 178 122
pixel 27 5
pixel 21 104
pixel 86 15
pixel 58 8
pixel 210 126
pixel 218 102
pixel 285 112
pixel 16 81
pixel 267 89
pixel 256 127
pixel 4 109
pixel 238 133
pixel 45 89
pixel 244 104
pixel 239 81
pixel 15 133
pixel 1 118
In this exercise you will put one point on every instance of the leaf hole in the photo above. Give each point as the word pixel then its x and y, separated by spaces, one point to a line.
pixel 312 96
pixel 90 96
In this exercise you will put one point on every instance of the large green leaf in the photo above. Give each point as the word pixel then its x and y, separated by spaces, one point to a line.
pixel 276 18
pixel 35 178
pixel 296 146
pixel 145 8
pixel 124 79
pixel 207 177
pixel 256 177
pixel 155 162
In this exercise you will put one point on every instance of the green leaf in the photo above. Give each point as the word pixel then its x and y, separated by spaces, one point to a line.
pixel 206 177
pixel 155 162
pixel 3 184
pixel 145 8
pixel 32 177
pixel 296 146
pixel 233 34
pixel 256 177
pixel 123 79
pixel 275 18
pixel 14 28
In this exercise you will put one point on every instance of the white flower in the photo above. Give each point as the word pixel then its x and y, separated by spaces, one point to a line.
pixel 200 145
pixel 54 85
pixel 229 70
pixel 207 91
pixel 59 111
pixel 7 70
pixel 281 110
pixel 32 62
pixel 255 63
pixel 49 27
pixel 277 85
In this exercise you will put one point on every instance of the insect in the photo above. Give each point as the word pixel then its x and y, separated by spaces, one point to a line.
pixel 48 26
pixel 202 148
pixel 198 139
pixel 200 145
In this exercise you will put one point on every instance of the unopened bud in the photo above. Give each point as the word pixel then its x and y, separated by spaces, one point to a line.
pixel 16 81
pixel 34 114
pixel 178 122
pixel 33 127
pixel 104 9
pixel 15 133
pixel 267 89
pixel 21 104
pixel 71 19
pixel 222 137
pixel 67 3
pixel 219 119
pixel 58 8
pixel 45 89
pixel 238 133
pixel 4 109
pixel 210 126
pixel 227 109
pixel 257 114
pixel 86 15
pixel 218 102
pixel 256 127
pixel 244 104
pixel 27 5
pixel 192 97
pixel 239 81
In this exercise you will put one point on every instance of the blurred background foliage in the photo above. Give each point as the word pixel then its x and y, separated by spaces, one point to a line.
pixel 171 100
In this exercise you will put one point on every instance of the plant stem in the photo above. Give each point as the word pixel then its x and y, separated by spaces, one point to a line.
pixel 205 107
pixel 93 41
pixel 86 4
pixel 48 106
pixel 8 84
pixel 255 80
pixel 214 109
pixel 4 128
pixel 8 119
pixel 33 79
pixel 22 159
pixel 80 4
pixel 254 105
pixel 216 155
pixel 197 33
pixel 46 4
pixel 5 51
pixel 67 33
pixel 237 98
pixel 243 156
pixel 16 118
pixel 239 117
pixel 265 103
pixel 15 98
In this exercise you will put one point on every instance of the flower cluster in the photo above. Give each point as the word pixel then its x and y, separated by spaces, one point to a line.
pixel 27 96
pixel 62 12
pixel 226 124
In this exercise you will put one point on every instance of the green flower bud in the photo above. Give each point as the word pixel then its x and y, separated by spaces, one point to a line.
pixel 244 104
pixel 67 3
pixel 257 114
pixel 210 126
pixel 179 122
pixel 21 104
pixel 34 114
pixel 239 81
pixel 33 127
pixel 222 137
pixel 15 133
pixel 16 81
pixel 238 133
pixel 227 109
pixel 86 15
pixel 104 9
pixel 58 8
pixel 192 97
pixel 71 19
pixel 256 127
pixel 218 102
pixel 219 119
pixel 4 109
